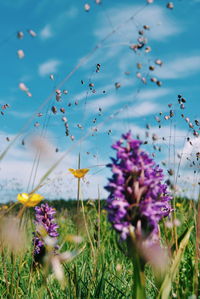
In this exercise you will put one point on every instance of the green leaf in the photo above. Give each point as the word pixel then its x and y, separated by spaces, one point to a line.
pixel 171 274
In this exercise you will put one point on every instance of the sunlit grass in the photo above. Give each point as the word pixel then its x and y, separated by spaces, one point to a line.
pixel 104 273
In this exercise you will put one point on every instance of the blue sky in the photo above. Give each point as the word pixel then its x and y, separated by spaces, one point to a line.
pixel 66 33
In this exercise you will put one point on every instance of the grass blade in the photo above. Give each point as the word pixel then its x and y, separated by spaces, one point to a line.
pixel 170 276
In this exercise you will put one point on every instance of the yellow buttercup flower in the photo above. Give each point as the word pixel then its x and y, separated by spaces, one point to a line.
pixel 29 200
pixel 79 173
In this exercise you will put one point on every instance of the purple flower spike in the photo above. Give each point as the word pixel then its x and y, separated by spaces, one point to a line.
pixel 44 217
pixel 138 197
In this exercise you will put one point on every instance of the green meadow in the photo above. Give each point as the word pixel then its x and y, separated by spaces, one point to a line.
pixel 100 269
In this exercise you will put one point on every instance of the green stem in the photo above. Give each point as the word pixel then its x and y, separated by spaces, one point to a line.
pixel 138 267
pixel 78 194
pixel 139 279
pixel 99 218
pixel 78 183
pixel 197 253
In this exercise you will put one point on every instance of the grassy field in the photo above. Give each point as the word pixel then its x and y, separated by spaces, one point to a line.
pixel 100 270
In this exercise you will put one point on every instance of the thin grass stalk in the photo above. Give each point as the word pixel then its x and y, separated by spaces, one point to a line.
pixel 83 210
pixel 49 291
pixel 19 276
pixel 5 268
pixel 174 230
pixel 31 272
pixel 78 183
pixel 43 287
pixel 174 234
pixel 12 287
pixel 69 75
pixel 78 193
pixel 51 169
pixel 87 231
pixel 174 197
pixel 166 286
pixel 197 251
pixel 165 233
pixel 21 212
pixel 99 218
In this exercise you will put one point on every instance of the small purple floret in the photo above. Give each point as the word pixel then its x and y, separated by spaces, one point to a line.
pixel 137 193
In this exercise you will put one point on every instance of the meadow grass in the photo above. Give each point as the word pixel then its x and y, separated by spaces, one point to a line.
pixel 102 271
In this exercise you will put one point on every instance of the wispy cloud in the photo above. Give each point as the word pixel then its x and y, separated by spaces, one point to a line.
pixel 188 184
pixel 19 114
pixel 165 131
pixel 59 22
pixel 46 32
pixel 16 170
pixel 50 66
pixel 140 110
pixel 179 68
pixel 189 151
pixel 162 27
pixel 72 12
pixel 155 16
pixel 149 94
pixel 104 103
pixel 84 95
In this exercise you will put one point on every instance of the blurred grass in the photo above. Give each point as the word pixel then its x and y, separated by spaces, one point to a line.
pixel 108 274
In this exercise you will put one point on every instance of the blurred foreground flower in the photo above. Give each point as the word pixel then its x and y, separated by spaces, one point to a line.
pixel 12 235
pixel 56 261
pixel 79 173
pixel 29 200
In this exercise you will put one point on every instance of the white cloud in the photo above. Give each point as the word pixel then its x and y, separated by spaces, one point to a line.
pixel 141 110
pixel 19 114
pixel 188 184
pixel 72 12
pixel 104 103
pixel 60 184
pixel 155 16
pixel 48 67
pixel 99 92
pixel 179 68
pixel 149 94
pixel 15 170
pixel 84 95
pixel 189 151
pixel 165 131
pixel 116 46
pixel 46 32
pixel 58 22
